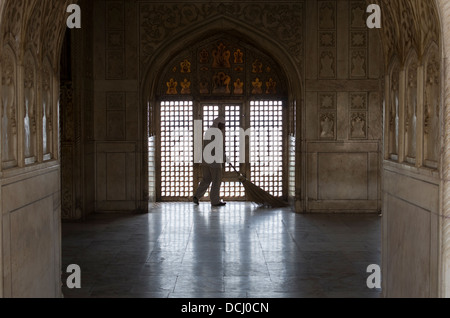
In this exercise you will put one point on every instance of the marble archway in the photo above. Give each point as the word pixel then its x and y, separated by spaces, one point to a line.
pixel 219 29
pixel 35 217
pixel 31 34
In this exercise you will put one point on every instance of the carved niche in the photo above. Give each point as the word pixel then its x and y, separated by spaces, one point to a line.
pixel 29 109
pixel 327 126
pixel 47 112
pixel 358 126
pixel 358 115
pixel 8 110
pixel 327 16
pixel 393 111
pixel 327 115
pixel 115 49
pixel 358 63
pixel 358 14
pixel 327 65
pixel 432 109
pixel 411 109
pixel 358 38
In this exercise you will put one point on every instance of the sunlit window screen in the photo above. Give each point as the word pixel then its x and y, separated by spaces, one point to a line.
pixel 266 121
pixel 151 165
pixel 177 137
pixel 232 116
pixel 232 190
pixel 232 119
pixel 210 112
pixel 292 167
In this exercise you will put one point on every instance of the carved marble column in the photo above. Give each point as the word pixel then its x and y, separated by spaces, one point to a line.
pixel 47 113
pixel 419 119
pixel 401 116
pixel 410 114
pixel 29 112
pixel 393 108
pixel 444 283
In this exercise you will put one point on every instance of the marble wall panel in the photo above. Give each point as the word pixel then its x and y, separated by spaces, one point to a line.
pixel 408 230
pixel 32 251
pixel 30 241
pixel 342 94
pixel 116 175
pixel 342 176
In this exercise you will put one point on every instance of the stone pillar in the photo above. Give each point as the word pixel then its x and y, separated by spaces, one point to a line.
pixel 401 116
pixel 387 117
pixel 444 7
pixel 20 115
pixel 419 120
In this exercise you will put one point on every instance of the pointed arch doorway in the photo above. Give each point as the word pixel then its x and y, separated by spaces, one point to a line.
pixel 224 76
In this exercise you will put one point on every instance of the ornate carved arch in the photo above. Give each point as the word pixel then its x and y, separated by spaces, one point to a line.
pixel 222 67
pixel 12 23
pixel 432 106
pixel 154 71
pixel 430 24
pixel 34 24
pixel 407 25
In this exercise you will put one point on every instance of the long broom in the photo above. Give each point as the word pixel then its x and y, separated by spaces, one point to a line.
pixel 258 195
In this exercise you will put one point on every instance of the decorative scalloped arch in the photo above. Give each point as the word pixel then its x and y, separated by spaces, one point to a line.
pixel 201 69
pixel 154 72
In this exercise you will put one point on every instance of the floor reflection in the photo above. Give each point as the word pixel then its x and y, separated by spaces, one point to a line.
pixel 183 250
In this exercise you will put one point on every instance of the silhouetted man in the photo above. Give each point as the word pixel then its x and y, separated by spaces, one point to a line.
pixel 212 166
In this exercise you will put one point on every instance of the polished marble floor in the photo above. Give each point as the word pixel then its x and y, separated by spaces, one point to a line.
pixel 180 250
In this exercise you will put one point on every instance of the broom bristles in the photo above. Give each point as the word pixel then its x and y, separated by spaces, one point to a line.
pixel 258 195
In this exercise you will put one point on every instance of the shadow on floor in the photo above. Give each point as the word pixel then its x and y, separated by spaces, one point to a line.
pixel 180 250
